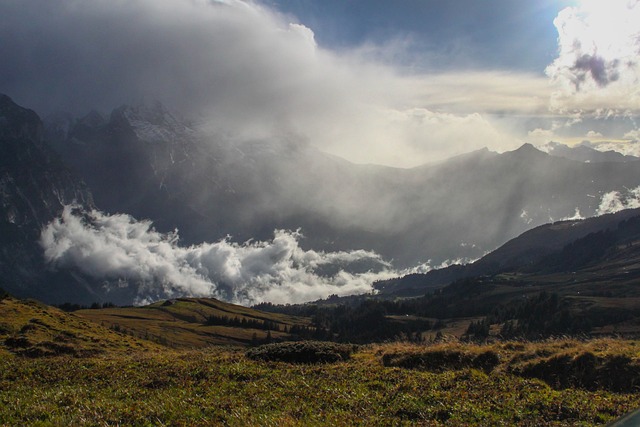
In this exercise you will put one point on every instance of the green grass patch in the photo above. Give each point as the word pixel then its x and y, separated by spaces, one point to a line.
pixel 222 386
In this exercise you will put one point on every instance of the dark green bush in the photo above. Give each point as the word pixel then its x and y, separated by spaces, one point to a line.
pixel 302 352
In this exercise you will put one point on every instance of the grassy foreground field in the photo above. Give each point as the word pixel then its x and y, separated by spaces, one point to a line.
pixel 222 386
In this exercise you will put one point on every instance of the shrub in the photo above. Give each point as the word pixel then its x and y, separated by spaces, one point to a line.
pixel 616 373
pixel 302 352
pixel 17 342
pixel 440 360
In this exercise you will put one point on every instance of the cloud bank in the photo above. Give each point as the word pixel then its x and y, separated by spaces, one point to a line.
pixel 130 253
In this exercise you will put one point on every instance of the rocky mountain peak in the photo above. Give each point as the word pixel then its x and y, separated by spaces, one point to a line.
pixel 93 119
pixel 152 122
pixel 528 149
pixel 19 123
pixel 585 152
pixel 35 185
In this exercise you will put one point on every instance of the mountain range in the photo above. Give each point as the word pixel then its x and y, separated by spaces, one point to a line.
pixel 148 162
pixel 584 152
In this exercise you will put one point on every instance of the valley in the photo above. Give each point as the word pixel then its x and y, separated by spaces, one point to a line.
pixel 98 195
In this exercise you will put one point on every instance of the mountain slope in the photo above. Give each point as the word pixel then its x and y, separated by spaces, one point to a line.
pixel 564 278
pixel 540 249
pixel 34 186
pixel 33 329
pixel 598 295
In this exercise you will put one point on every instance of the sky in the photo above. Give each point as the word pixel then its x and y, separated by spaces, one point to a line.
pixel 438 35
pixel 395 83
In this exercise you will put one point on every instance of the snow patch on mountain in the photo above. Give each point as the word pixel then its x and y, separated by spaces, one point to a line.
pixel 154 123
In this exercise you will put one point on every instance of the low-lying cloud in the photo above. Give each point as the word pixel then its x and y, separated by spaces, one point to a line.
pixel 130 253
pixel 615 201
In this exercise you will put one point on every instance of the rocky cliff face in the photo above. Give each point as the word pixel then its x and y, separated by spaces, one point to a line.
pixel 34 187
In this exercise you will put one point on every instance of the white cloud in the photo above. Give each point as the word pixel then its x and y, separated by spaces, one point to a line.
pixel 628 148
pixel 524 216
pixel 633 136
pixel 616 201
pixel 540 137
pixel 577 215
pixel 593 135
pixel 120 249
pixel 598 67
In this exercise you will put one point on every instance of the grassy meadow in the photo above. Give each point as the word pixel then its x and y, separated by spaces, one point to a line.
pixel 63 369
pixel 222 386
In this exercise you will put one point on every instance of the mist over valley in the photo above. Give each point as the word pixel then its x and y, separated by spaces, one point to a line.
pixel 170 210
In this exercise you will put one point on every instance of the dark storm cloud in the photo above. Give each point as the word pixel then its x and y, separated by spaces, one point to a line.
pixel 596 67
pixel 77 55
pixel 251 72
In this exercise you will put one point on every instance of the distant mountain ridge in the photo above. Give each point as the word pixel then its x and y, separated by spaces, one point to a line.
pixel 585 153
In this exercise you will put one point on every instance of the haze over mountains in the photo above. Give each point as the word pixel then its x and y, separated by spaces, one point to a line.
pixel 357 223
pixel 146 162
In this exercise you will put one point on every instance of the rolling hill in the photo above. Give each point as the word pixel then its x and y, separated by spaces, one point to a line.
pixel 33 329
pixel 196 322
